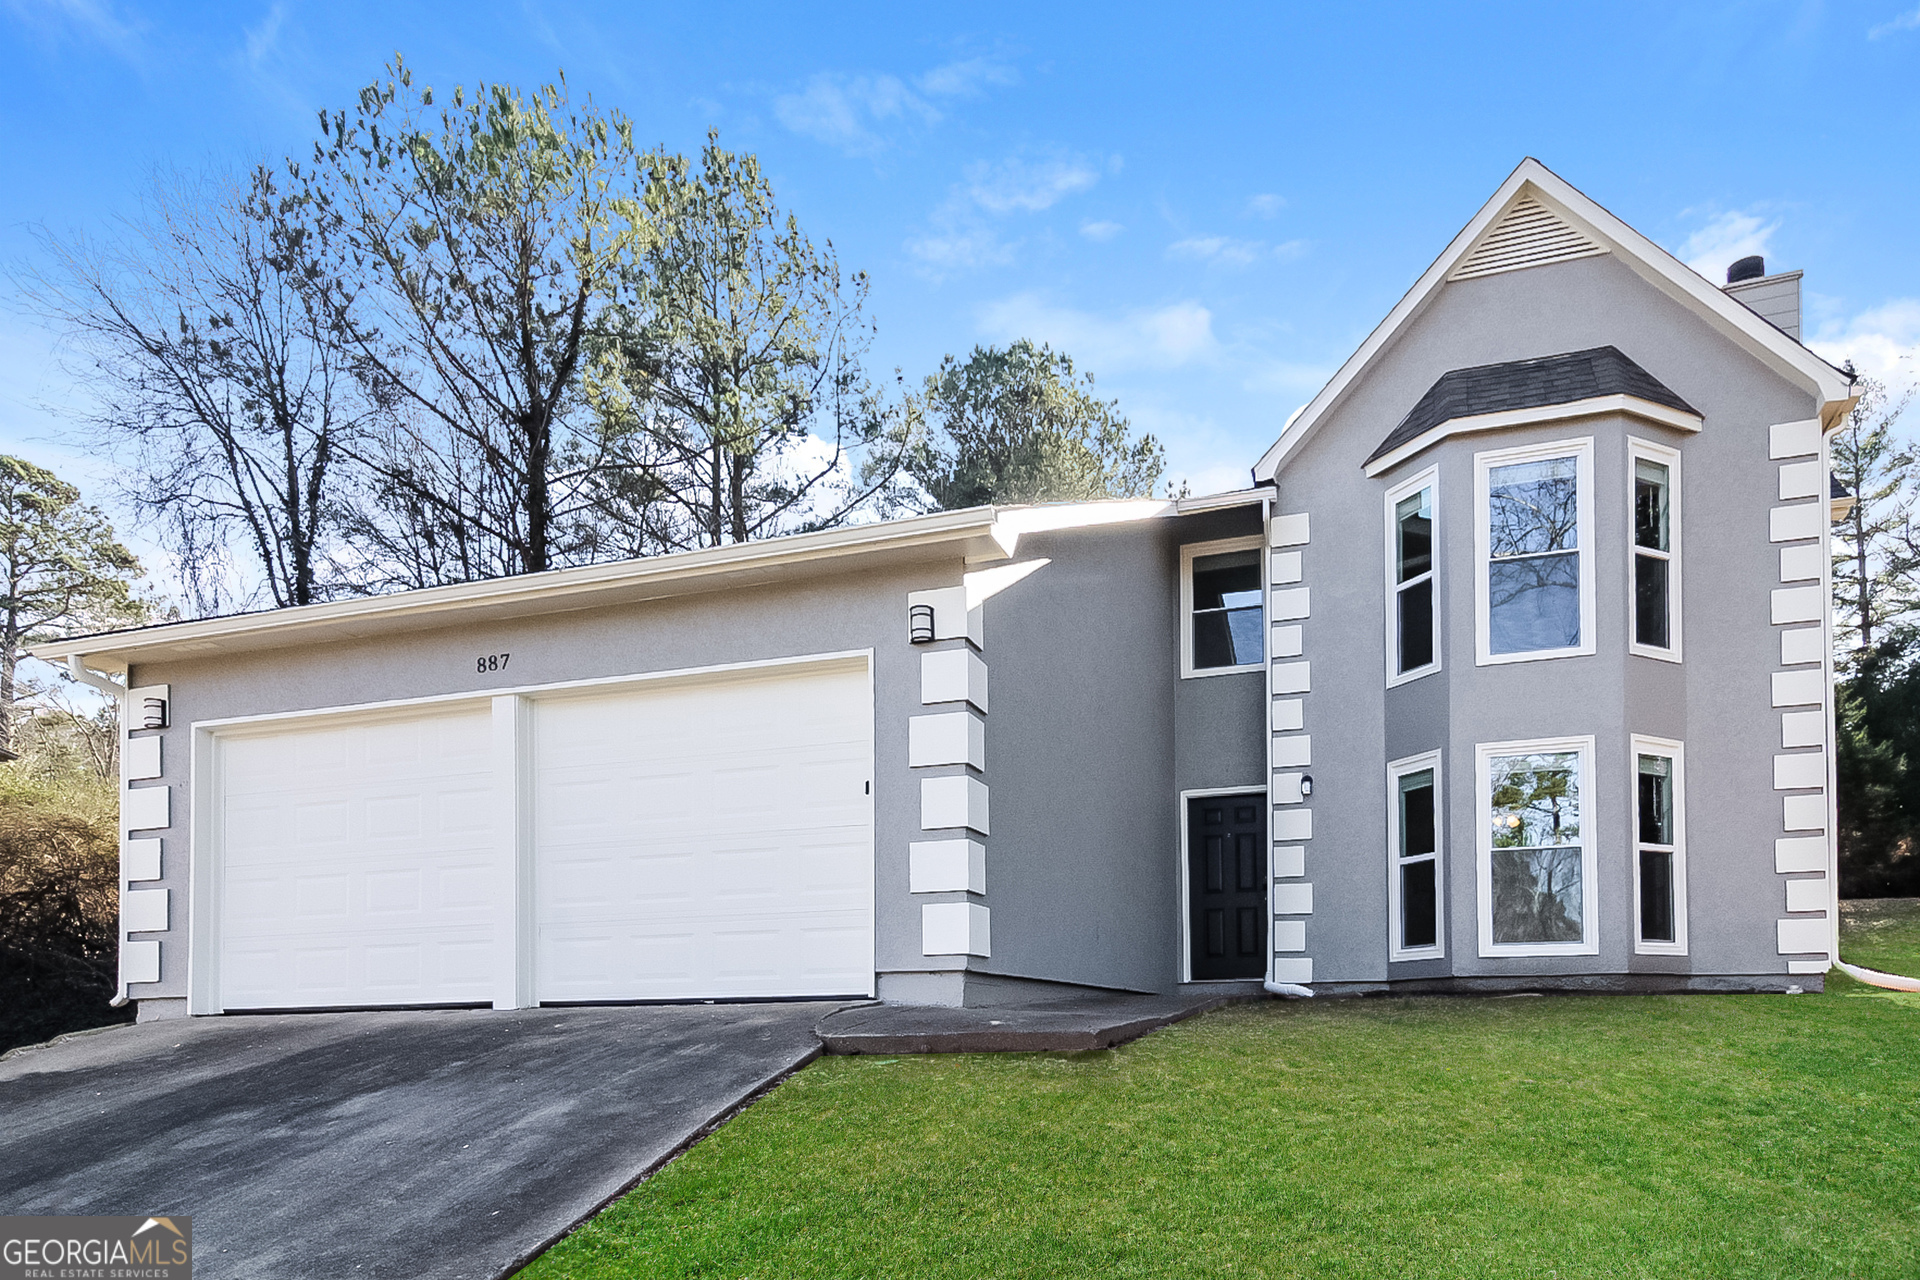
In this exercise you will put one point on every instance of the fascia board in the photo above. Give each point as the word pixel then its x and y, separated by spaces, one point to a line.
pixel 682 573
pixel 1222 501
pixel 1631 406
pixel 1644 257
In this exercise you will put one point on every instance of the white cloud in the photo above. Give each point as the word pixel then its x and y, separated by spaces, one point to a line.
pixel 1018 184
pixel 1883 342
pixel 1905 22
pixel 1265 205
pixel 1725 239
pixel 1228 251
pixel 957 244
pixel 95 20
pixel 844 111
pixel 262 38
pixel 966 78
pixel 1180 333
pixel 1100 231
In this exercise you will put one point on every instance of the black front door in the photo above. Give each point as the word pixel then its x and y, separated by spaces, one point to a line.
pixel 1227 886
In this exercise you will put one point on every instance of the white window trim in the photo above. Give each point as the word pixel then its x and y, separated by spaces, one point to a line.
pixel 1428 479
pixel 1639 745
pixel 1670 459
pixel 1581 450
pixel 1186 868
pixel 1397 770
pixel 1217 547
pixel 1589 944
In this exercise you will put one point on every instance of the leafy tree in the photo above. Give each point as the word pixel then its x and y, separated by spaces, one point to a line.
pixel 1018 425
pixel 60 571
pixel 1874 555
pixel 211 340
pixel 492 233
pixel 730 380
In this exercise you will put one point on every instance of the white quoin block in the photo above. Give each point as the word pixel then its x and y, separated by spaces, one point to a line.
pixel 1809 895
pixel 1800 853
pixel 1288 531
pixel 1286 567
pixel 1803 729
pixel 140 859
pixel 1799 480
pixel 950 737
pixel 1293 752
pixel 140 961
pixel 1793 439
pixel 1293 824
pixel 1799 688
pixel 1802 563
pixel 1289 860
pixel 1295 969
pixel 1287 640
pixel 1292 677
pixel 1287 789
pixel 1804 813
pixel 1289 714
pixel 953 675
pixel 1290 899
pixel 953 802
pixel 952 620
pixel 1799 604
pixel 146 808
pixel 946 866
pixel 1791 524
pixel 956 929
pixel 1289 935
pixel 1802 935
pixel 1802 645
pixel 1800 771
pixel 143 910
pixel 140 758
pixel 1292 603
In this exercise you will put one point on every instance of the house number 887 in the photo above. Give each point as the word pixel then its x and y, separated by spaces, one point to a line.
pixel 492 662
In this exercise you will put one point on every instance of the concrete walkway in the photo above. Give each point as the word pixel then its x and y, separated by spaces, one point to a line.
pixel 451 1143
pixel 1091 1020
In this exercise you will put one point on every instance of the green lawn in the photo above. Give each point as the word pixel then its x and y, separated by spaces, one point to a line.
pixel 1571 1137
pixel 1882 933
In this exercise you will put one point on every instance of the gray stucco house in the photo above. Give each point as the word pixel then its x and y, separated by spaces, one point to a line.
pixel 1509 670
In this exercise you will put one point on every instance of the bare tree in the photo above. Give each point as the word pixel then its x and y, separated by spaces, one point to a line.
pixel 212 345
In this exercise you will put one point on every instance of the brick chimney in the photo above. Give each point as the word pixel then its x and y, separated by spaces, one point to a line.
pixel 1775 298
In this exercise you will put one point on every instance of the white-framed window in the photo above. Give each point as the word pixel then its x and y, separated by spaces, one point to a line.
pixel 1533 539
pixel 1413 618
pixel 1536 848
pixel 1653 574
pixel 1659 847
pixel 1416 879
pixel 1223 612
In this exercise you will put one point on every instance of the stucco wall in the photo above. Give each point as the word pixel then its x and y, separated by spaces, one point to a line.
pixel 1716 702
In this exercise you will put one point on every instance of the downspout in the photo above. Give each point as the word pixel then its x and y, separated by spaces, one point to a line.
pixel 78 669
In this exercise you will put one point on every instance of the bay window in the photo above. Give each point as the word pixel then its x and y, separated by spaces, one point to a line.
pixel 1413 848
pixel 1413 621
pixel 1536 848
pixel 1534 587
pixel 1659 870
pixel 1656 550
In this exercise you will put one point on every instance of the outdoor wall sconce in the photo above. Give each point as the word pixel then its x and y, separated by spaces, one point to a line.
pixel 1306 784
pixel 153 713
pixel 920 624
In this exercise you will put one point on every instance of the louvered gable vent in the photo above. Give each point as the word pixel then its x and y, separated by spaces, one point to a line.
pixel 1528 235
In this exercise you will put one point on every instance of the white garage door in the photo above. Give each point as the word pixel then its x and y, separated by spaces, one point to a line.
pixel 358 864
pixel 706 839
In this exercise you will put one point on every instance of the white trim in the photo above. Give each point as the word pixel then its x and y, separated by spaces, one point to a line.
pixel 1428 479
pixel 1593 406
pixel 1659 268
pixel 1670 459
pixel 204 856
pixel 1222 501
pixel 1638 745
pixel 1581 450
pixel 1396 770
pixel 1186 901
pixel 1484 753
pixel 1218 546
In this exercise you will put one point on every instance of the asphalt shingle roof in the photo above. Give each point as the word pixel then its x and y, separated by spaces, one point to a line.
pixel 1529 384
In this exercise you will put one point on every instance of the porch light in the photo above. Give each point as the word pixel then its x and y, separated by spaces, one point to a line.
pixel 920 624
pixel 1306 784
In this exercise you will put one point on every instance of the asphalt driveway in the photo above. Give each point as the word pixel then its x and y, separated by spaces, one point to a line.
pixel 447 1143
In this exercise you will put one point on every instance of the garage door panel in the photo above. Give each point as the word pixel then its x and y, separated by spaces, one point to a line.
pixel 358 864
pixel 691 841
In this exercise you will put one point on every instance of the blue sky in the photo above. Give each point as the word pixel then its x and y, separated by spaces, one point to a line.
pixel 1207 206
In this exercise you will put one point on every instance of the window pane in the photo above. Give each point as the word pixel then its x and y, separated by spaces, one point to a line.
pixel 1650 504
pixel 1656 894
pixel 1416 814
pixel 1534 603
pixel 1656 800
pixel 1212 640
pixel 1650 601
pixel 1416 626
pixel 1226 581
pixel 1536 800
pixel 1536 895
pixel 1413 517
pixel 1419 905
pixel 1243 625
pixel 1533 507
